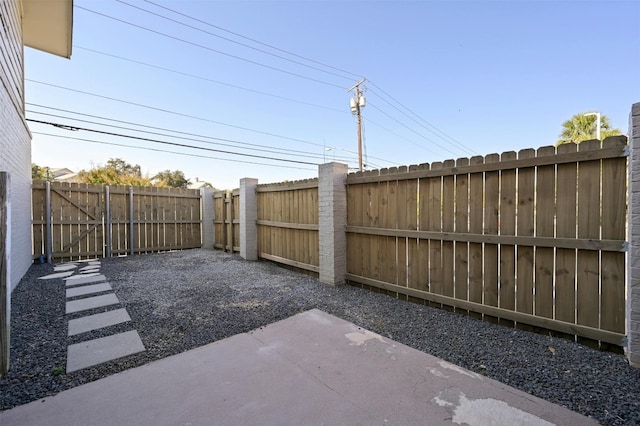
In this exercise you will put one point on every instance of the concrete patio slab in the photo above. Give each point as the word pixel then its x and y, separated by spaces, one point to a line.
pixel 312 368
pixel 91 303
pixel 96 321
pixel 88 289
pixel 97 351
pixel 65 267
pixel 56 275
pixel 85 279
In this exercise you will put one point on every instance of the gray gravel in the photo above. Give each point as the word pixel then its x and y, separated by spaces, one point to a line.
pixel 181 300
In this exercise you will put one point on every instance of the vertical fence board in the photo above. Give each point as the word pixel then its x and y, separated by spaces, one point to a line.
pixel 507 226
pixel 525 227
pixel 475 227
pixel 448 203
pixel 588 227
pixel 422 259
pixel 491 211
pixel 614 189
pixel 462 226
pixel 434 223
pixel 545 215
pixel 565 274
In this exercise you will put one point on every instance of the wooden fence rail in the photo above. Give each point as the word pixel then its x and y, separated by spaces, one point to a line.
pixel 86 221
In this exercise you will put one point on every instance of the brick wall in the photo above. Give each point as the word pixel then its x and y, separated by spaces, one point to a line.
pixel 15 142
pixel 633 263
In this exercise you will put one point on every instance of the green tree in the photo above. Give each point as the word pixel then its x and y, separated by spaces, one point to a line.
pixel 40 173
pixel 115 172
pixel 173 179
pixel 583 127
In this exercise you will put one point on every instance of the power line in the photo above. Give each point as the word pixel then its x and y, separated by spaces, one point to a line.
pixel 450 138
pixel 254 40
pixel 232 41
pixel 102 132
pixel 174 112
pixel 178 131
pixel 414 131
pixel 186 154
pixel 208 48
pixel 207 79
pixel 219 141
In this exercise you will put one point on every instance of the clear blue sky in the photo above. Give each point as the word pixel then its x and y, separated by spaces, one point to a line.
pixel 490 76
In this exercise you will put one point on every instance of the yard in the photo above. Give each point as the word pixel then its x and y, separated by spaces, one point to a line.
pixel 182 300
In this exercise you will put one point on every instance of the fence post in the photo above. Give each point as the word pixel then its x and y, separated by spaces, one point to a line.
pixel 207 217
pixel 5 283
pixel 107 220
pixel 48 230
pixel 248 219
pixel 633 262
pixel 332 219
pixel 131 222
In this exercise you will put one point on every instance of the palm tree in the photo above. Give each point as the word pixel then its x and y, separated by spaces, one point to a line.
pixel 582 127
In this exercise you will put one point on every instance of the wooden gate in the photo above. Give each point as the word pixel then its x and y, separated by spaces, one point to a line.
pixel 76 230
pixel 74 221
pixel 227 220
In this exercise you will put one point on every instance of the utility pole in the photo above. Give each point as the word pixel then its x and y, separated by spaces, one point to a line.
pixel 358 102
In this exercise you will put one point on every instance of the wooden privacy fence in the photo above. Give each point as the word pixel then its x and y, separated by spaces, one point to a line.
pixel 74 221
pixel 288 223
pixel 535 237
pixel 226 205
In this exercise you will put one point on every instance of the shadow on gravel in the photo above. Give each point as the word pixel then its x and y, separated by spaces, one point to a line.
pixel 182 300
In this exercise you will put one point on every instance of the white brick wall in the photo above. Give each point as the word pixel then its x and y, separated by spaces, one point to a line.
pixel 248 219
pixel 633 272
pixel 332 221
pixel 15 158
pixel 15 149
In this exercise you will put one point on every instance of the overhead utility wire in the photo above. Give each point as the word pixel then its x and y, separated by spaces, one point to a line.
pixel 176 131
pixel 102 132
pixel 180 114
pixel 186 154
pixel 218 140
pixel 409 128
pixel 208 48
pixel 444 135
pixel 233 41
pixel 254 40
pixel 207 79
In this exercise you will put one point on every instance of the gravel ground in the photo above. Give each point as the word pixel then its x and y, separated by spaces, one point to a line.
pixel 181 300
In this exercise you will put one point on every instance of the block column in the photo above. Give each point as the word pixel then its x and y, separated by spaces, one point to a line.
pixel 208 218
pixel 332 218
pixel 633 261
pixel 248 219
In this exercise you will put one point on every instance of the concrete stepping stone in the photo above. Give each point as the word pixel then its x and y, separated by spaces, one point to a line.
pixel 94 263
pixel 56 275
pixel 65 267
pixel 87 289
pixel 90 268
pixel 85 279
pixel 96 321
pixel 97 351
pixel 90 271
pixel 91 303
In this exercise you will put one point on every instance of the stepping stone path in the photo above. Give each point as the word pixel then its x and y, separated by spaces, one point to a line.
pixel 84 279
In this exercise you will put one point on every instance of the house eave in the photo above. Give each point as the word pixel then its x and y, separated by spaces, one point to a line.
pixel 47 25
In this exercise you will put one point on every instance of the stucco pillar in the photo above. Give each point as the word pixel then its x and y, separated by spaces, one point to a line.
pixel 633 261
pixel 332 218
pixel 248 219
